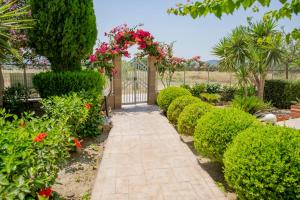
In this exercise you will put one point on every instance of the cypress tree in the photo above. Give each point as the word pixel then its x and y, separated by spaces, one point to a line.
pixel 65 31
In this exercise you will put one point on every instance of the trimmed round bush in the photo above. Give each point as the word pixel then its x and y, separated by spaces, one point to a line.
pixel 264 163
pixel 216 130
pixel 61 83
pixel 188 118
pixel 177 106
pixel 167 95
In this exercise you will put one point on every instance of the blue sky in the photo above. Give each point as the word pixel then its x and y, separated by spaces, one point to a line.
pixel 193 37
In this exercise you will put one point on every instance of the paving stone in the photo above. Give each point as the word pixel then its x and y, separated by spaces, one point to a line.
pixel 144 159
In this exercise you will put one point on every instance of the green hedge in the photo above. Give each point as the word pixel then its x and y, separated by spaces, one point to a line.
pixel 61 83
pixel 178 105
pixel 216 130
pixel 282 92
pixel 167 95
pixel 188 118
pixel 264 163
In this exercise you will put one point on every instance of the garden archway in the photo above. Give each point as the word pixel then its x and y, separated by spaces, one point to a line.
pixel 109 57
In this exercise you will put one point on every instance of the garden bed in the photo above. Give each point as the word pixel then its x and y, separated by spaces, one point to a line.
pixel 76 179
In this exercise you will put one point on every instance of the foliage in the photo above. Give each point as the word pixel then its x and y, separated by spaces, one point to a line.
pixel 251 104
pixel 120 39
pixel 216 130
pixel 177 106
pixel 32 151
pixel 250 52
pixel 72 109
pixel 213 88
pixel 218 8
pixel 12 19
pixel 13 98
pixel 95 120
pixel 281 92
pixel 185 86
pixel 228 93
pixel 210 98
pixel 249 90
pixel 187 119
pixel 60 83
pixel 167 95
pixel 65 31
pixel 263 163
pixel 197 89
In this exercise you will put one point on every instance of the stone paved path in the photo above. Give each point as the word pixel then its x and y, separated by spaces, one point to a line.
pixel 144 159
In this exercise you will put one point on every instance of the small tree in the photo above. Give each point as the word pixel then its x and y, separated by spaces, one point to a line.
pixel 65 31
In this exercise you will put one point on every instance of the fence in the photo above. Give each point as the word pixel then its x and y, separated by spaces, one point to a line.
pixel 223 78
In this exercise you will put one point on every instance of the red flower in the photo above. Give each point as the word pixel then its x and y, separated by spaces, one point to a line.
pixel 40 137
pixel 88 106
pixel 143 46
pixel 46 192
pixel 114 71
pixel 126 54
pixel 93 58
pixel 77 143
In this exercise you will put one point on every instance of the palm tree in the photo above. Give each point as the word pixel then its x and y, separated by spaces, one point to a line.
pixel 250 52
pixel 10 20
pixel 233 51
pixel 264 43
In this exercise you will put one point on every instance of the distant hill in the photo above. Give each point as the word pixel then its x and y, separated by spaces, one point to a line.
pixel 212 62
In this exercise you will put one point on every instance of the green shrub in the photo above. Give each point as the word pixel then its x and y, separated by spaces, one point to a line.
pixel 61 83
pixel 215 130
pixel 250 104
pixel 281 92
pixel 14 98
pixel 71 108
pixel 29 163
pixel 197 89
pixel 95 120
pixel 186 87
pixel 188 118
pixel 167 95
pixel 210 98
pixel 250 90
pixel 228 93
pixel 177 106
pixel 264 163
pixel 213 88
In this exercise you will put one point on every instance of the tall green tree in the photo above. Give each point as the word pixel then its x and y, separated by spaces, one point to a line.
pixel 65 31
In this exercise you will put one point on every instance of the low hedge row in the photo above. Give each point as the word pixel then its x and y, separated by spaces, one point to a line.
pixel 260 161
pixel 188 118
pixel 281 92
pixel 177 106
pixel 167 95
pixel 264 163
pixel 34 149
pixel 61 83
pixel 216 130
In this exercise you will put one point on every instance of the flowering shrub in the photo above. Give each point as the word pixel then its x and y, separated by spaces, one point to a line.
pixel 92 125
pixel 120 39
pixel 32 152
pixel 72 108
pixel 168 64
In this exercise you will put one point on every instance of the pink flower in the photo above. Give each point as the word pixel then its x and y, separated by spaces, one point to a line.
pixel 93 58
pixel 126 54
pixel 143 46
pixel 114 71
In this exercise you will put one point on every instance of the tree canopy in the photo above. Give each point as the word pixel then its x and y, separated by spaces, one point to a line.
pixel 219 7
pixel 65 31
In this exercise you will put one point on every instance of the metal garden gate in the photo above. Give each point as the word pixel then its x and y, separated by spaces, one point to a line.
pixel 134 82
